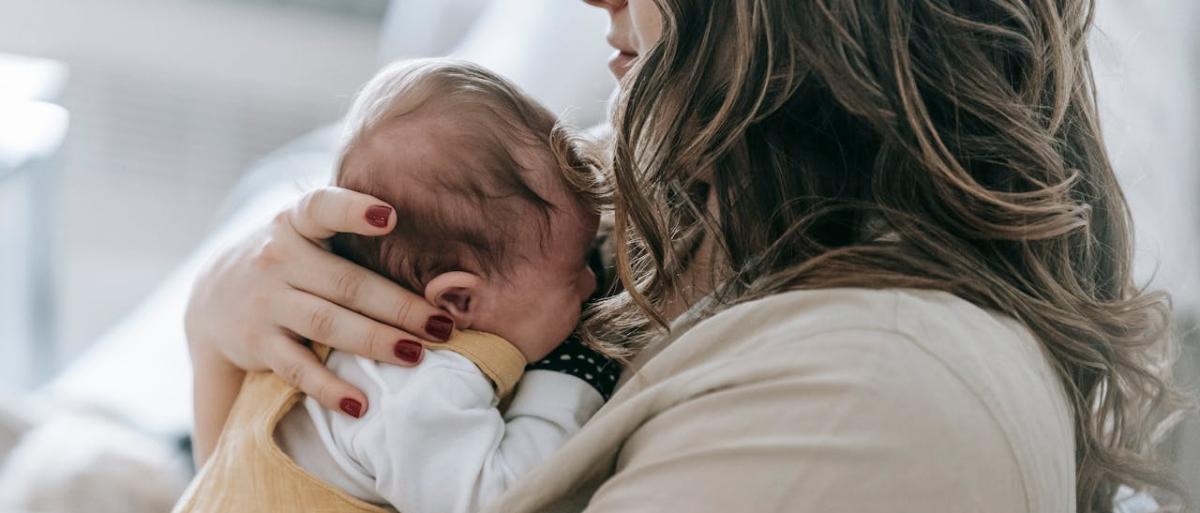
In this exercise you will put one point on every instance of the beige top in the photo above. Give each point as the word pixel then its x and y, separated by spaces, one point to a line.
pixel 825 401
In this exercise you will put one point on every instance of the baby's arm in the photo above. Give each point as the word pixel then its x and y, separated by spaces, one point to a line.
pixel 439 444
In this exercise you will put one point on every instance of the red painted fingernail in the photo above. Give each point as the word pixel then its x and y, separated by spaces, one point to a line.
pixel 439 327
pixel 352 407
pixel 378 216
pixel 408 351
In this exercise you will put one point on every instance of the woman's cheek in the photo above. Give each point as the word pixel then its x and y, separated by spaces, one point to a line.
pixel 647 23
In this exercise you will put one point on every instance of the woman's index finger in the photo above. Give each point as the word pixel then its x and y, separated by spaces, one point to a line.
pixel 357 288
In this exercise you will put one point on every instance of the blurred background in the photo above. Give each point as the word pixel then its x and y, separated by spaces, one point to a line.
pixel 170 102
pixel 138 135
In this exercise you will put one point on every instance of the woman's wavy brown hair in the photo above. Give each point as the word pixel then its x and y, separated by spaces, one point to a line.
pixel 936 144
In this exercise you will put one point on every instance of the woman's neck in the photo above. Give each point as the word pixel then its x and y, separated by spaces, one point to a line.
pixel 698 280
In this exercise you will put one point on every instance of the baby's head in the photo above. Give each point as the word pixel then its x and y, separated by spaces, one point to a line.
pixel 493 225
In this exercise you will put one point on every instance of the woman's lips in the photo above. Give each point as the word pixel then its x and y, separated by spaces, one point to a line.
pixel 620 63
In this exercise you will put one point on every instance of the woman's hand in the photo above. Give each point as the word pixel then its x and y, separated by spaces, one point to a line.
pixel 254 303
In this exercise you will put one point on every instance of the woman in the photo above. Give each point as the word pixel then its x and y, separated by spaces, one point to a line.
pixel 887 243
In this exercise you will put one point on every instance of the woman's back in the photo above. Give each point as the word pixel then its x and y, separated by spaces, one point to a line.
pixel 833 400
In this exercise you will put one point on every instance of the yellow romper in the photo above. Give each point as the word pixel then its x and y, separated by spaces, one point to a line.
pixel 249 473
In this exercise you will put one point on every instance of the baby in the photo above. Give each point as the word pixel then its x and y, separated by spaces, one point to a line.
pixel 494 226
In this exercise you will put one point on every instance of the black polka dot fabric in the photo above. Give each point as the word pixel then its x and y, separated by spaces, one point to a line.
pixel 576 359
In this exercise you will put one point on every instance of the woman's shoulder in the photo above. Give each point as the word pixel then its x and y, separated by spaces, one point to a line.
pixel 924 359
pixel 887 333
pixel 882 332
pixel 924 397
pixel 936 324
pixel 823 310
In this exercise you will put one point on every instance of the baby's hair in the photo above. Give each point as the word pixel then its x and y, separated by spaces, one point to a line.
pixel 476 201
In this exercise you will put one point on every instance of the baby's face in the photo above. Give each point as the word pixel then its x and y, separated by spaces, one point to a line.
pixel 540 298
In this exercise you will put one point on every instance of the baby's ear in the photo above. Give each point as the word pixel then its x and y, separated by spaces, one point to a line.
pixel 459 293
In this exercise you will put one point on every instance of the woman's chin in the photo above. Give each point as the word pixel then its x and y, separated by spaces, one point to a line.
pixel 621 63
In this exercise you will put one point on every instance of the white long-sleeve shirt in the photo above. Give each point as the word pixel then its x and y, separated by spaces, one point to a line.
pixel 433 439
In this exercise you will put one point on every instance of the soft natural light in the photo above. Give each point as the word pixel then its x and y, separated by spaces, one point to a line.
pixel 159 238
